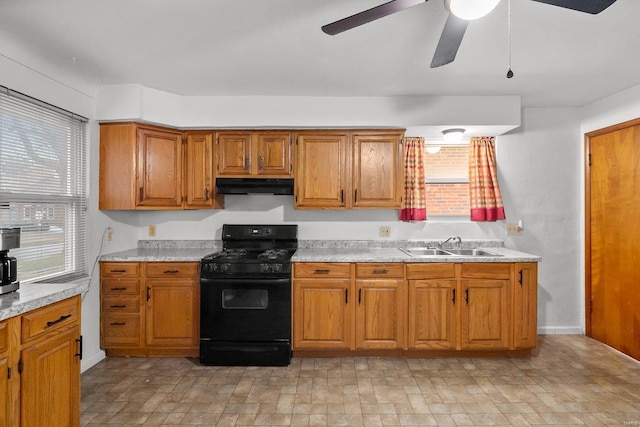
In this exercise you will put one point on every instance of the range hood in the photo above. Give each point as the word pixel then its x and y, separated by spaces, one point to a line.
pixel 254 185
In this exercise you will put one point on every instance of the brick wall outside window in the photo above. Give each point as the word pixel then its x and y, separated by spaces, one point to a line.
pixel 447 187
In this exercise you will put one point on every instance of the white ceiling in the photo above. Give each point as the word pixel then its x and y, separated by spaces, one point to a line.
pixel 275 47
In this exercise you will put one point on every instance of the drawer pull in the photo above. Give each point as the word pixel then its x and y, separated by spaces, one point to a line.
pixel 321 271
pixel 118 289
pixel 171 271
pixel 118 306
pixel 380 271
pixel 119 271
pixel 520 279
pixel 118 323
pixel 61 319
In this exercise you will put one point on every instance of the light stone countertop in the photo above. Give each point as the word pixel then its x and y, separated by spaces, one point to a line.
pixel 396 255
pixel 159 254
pixel 31 296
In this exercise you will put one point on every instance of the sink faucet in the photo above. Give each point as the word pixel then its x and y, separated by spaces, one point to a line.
pixel 455 239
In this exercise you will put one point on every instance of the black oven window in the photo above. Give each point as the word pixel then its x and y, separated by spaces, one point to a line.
pixel 245 299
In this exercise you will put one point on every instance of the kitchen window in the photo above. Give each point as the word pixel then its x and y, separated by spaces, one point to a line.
pixel 447 179
pixel 43 187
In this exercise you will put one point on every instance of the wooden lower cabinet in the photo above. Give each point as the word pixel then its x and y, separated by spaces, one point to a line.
pixel 380 306
pixel 51 382
pixel 40 354
pixel 447 307
pixel 322 306
pixel 150 308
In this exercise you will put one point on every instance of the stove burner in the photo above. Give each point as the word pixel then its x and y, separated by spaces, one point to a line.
pixel 274 254
pixel 229 254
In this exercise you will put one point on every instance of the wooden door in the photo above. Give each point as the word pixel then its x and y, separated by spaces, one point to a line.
pixel 321 171
pixel 376 170
pixel 322 314
pixel 159 168
pixel 200 189
pixel 273 151
pixel 233 154
pixel 172 313
pixel 613 237
pixel 432 314
pixel 380 313
pixel 50 382
pixel 525 306
pixel 485 319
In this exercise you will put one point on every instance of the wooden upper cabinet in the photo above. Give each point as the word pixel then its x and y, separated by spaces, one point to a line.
pixel 233 153
pixel 359 169
pixel 244 154
pixel 273 152
pixel 377 169
pixel 200 189
pixel 159 168
pixel 321 173
pixel 150 167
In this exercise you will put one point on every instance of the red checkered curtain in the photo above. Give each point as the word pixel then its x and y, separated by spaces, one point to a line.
pixel 414 206
pixel 484 192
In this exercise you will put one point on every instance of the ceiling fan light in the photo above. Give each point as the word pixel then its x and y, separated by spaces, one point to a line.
pixel 454 134
pixel 470 9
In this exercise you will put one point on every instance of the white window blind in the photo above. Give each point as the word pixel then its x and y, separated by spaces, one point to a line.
pixel 43 188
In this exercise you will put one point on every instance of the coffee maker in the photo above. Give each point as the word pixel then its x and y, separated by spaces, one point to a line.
pixel 9 239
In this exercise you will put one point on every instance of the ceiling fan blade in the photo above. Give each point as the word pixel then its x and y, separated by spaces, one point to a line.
pixel 450 40
pixel 588 6
pixel 369 15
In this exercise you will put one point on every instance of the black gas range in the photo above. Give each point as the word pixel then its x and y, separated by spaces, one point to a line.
pixel 245 292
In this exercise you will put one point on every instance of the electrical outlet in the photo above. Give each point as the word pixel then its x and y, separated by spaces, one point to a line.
pixel 513 229
pixel 152 231
pixel 109 234
pixel 385 231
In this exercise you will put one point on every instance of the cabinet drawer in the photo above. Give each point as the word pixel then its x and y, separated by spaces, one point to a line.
pixel 172 269
pixel 120 269
pixel 119 287
pixel 431 270
pixel 379 270
pixel 322 269
pixel 120 329
pixel 487 270
pixel 50 318
pixel 120 304
pixel 3 337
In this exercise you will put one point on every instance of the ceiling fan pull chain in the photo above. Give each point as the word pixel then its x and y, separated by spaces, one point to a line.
pixel 509 72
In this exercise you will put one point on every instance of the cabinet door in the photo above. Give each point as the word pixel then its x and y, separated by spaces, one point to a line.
pixel 200 188
pixel 4 376
pixel 117 181
pixel 159 168
pixel 172 313
pixel 273 151
pixel 432 314
pixel 233 153
pixel 376 170
pixel 525 306
pixel 380 313
pixel 50 382
pixel 322 170
pixel 485 315
pixel 322 314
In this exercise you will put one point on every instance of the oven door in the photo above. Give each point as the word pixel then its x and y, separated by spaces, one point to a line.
pixel 245 310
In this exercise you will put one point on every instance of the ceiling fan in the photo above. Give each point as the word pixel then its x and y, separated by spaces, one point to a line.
pixel 460 13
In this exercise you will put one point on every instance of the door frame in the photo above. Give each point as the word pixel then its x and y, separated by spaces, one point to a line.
pixel 587 213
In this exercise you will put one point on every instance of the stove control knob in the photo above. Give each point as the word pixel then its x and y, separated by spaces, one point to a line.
pixel 277 268
pixel 224 267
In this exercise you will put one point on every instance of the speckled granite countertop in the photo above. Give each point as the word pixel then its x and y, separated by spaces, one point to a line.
pixel 321 251
pixel 396 255
pixel 31 296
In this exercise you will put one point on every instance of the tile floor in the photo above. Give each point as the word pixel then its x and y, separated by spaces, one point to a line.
pixel 570 380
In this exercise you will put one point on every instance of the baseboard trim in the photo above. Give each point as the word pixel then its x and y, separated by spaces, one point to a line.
pixel 91 361
pixel 560 330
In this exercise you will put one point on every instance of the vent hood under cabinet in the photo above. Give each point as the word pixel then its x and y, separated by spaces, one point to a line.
pixel 254 185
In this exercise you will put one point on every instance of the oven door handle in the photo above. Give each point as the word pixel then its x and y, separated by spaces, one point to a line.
pixel 245 282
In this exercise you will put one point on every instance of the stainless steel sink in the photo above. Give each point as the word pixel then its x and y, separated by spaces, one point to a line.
pixel 471 252
pixel 425 252
pixel 418 252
